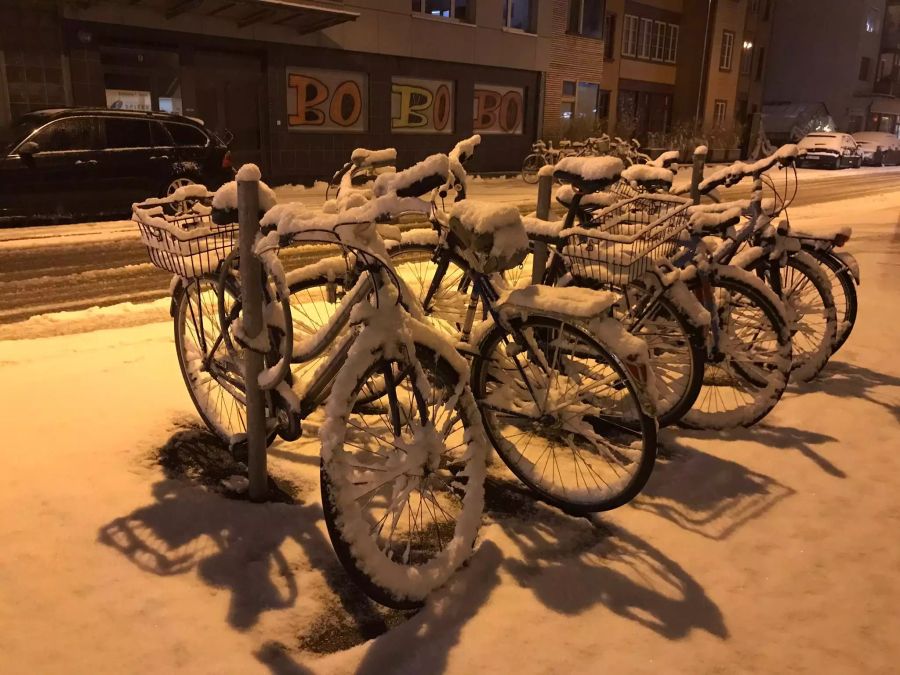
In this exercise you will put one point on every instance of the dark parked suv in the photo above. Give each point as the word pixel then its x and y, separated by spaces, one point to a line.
pixel 65 164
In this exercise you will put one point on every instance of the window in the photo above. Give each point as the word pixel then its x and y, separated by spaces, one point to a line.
pixel 754 6
pixel 586 100
pixel 583 100
pixel 447 9
pixel 161 137
pixel 672 47
pixel 873 20
pixel 719 109
pixel 747 58
pixel 184 134
pixel 864 65
pixel 727 53
pixel 630 36
pixel 586 17
pixel 518 14
pixel 126 133
pixel 603 104
pixel 644 45
pixel 659 41
pixel 66 135
pixel 609 37
pixel 768 10
pixel 760 63
pixel 567 105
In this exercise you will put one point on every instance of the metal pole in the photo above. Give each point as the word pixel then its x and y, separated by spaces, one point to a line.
pixel 252 313
pixel 697 176
pixel 541 253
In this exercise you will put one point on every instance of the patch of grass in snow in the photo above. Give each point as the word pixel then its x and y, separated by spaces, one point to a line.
pixel 195 454
pixel 348 618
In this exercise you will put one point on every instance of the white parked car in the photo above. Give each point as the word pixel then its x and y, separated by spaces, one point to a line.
pixel 879 148
pixel 830 151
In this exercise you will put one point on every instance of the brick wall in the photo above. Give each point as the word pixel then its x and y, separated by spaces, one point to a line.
pixel 571 58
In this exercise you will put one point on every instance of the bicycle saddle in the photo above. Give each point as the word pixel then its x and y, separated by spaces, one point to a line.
pixel 588 174
pixel 650 178
pixel 416 181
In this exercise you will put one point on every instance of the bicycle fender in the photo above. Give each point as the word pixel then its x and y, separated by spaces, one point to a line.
pixel 633 354
pixel 688 304
pixel 851 262
pixel 176 288
pixel 746 258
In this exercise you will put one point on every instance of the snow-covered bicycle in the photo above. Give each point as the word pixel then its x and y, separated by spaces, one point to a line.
pixel 403 450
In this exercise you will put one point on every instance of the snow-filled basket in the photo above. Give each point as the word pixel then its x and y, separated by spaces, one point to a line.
pixel 492 237
pixel 179 233
pixel 625 241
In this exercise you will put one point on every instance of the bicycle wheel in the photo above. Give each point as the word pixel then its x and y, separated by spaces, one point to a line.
pixel 416 266
pixel 749 369
pixel 677 353
pixel 530 167
pixel 807 297
pixel 211 372
pixel 564 415
pixel 403 482
pixel 843 289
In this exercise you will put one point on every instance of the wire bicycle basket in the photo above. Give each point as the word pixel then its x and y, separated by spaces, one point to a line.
pixel 180 236
pixel 623 242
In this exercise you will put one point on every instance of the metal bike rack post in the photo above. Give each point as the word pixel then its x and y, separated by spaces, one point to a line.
pixel 252 311
pixel 539 261
pixel 697 176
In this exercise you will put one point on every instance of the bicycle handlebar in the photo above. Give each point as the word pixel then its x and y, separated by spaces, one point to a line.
pixel 731 175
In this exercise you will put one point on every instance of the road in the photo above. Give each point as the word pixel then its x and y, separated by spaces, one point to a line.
pixel 70 267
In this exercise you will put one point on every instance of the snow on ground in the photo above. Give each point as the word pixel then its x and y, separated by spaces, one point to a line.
pixel 767 550
pixel 498 189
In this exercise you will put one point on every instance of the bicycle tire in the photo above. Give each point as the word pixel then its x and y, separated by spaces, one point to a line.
pixel 491 388
pixel 403 580
pixel 811 344
pixel 763 386
pixel 670 410
pixel 225 387
pixel 846 301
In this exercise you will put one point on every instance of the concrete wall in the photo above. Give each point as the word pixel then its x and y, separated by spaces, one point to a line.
pixel 385 27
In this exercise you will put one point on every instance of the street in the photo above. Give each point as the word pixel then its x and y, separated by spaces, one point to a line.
pixel 70 267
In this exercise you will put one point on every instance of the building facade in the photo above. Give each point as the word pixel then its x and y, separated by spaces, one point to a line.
pixel 849 61
pixel 298 84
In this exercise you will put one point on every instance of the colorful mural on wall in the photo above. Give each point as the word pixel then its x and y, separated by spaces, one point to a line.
pixel 498 109
pixel 326 100
pixel 421 106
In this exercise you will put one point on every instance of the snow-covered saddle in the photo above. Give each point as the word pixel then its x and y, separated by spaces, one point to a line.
pixel 650 178
pixel 588 174
pixel 490 237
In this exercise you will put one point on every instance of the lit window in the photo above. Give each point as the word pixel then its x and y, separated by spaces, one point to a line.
pixel 747 58
pixel 873 22
pixel 445 9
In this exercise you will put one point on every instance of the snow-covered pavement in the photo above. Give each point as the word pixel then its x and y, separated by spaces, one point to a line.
pixel 768 550
pixel 72 267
